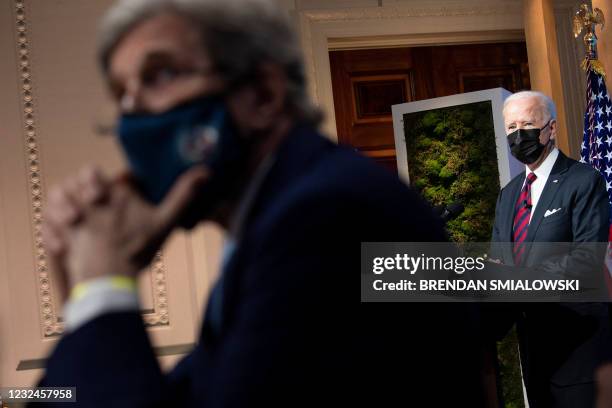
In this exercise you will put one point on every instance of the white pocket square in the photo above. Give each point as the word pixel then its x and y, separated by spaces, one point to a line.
pixel 551 212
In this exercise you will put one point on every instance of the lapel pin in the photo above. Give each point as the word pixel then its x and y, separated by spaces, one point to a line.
pixel 555 181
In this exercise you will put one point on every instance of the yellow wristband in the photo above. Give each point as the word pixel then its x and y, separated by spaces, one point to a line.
pixel 119 282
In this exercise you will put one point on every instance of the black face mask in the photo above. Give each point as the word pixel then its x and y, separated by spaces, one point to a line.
pixel 525 144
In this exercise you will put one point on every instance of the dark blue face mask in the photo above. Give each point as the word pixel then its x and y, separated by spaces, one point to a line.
pixel 160 147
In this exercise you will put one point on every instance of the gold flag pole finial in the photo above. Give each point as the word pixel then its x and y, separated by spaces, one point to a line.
pixel 586 21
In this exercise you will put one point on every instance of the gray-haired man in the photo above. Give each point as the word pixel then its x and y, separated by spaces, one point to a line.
pixel 216 125
pixel 556 200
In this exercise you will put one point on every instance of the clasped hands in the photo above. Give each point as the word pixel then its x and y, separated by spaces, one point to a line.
pixel 94 226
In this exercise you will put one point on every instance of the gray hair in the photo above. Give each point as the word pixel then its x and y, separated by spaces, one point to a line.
pixel 546 103
pixel 238 35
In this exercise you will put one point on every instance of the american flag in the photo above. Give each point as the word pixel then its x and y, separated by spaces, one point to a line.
pixel 596 148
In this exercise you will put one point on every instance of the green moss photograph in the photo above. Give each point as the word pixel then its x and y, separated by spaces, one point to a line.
pixel 452 157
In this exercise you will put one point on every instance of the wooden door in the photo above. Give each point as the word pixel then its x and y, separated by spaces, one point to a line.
pixel 367 82
pixel 365 85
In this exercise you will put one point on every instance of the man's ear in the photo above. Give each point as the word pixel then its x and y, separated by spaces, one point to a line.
pixel 257 106
pixel 553 130
pixel 270 91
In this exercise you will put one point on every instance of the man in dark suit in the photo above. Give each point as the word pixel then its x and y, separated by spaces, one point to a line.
pixel 283 326
pixel 556 200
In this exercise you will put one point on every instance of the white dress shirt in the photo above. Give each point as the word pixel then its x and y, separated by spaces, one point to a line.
pixel 542 173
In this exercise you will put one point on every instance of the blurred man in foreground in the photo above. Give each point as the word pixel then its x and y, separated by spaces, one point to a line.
pixel 216 125
pixel 556 200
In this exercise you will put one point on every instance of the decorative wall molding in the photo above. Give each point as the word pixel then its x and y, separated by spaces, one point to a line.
pixel 407 40
pixel 51 324
pixel 159 316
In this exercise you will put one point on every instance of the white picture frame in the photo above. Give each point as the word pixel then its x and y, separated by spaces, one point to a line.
pixel 507 165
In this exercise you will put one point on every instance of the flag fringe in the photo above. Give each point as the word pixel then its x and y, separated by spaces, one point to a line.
pixel 595 65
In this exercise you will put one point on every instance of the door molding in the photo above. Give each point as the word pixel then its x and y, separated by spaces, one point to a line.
pixel 325 30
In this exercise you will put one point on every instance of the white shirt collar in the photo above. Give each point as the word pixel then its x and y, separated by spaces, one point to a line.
pixel 544 169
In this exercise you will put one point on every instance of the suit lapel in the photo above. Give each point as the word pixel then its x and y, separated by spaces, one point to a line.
pixel 301 148
pixel 548 194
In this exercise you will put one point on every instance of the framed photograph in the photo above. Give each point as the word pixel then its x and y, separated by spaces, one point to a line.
pixel 453 149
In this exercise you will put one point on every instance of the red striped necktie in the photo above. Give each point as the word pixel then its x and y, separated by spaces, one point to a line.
pixel 522 213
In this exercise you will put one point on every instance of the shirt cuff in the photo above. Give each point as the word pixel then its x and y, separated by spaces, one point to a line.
pixel 99 296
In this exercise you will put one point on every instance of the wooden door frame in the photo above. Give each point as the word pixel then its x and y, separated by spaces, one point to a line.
pixel 431 23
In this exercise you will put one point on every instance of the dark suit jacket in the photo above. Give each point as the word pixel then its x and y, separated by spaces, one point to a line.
pixel 562 343
pixel 293 330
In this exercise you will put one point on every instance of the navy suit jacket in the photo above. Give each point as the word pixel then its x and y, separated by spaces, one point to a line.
pixel 293 331
pixel 561 343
